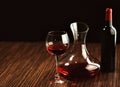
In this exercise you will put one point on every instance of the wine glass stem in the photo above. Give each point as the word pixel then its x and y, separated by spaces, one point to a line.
pixel 57 74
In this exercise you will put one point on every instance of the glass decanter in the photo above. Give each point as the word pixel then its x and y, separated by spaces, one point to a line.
pixel 77 63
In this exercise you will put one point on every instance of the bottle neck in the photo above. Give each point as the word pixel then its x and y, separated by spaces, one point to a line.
pixel 108 23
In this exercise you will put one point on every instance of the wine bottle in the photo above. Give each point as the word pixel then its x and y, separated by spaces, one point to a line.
pixel 108 44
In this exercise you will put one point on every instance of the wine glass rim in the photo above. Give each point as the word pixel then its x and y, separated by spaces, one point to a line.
pixel 57 31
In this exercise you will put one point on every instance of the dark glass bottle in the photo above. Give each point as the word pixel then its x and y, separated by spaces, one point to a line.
pixel 108 44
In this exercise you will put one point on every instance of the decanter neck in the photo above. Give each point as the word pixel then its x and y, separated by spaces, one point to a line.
pixel 80 41
pixel 81 38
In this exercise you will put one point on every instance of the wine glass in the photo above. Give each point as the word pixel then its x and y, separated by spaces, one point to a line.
pixel 57 42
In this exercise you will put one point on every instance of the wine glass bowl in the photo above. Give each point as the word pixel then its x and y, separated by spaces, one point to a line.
pixel 57 42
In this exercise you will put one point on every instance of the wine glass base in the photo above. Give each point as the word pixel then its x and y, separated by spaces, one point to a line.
pixel 53 81
pixel 57 80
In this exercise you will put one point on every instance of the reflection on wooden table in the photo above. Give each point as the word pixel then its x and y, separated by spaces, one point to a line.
pixel 27 64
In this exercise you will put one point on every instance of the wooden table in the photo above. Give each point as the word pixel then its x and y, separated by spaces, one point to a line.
pixel 27 64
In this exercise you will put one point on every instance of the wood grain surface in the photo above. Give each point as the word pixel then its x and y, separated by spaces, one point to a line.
pixel 27 64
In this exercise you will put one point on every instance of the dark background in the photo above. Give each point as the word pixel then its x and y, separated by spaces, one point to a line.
pixel 31 20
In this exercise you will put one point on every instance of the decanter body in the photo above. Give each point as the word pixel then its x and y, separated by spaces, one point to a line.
pixel 77 63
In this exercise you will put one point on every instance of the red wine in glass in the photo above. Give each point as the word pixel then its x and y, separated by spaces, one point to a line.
pixel 57 49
